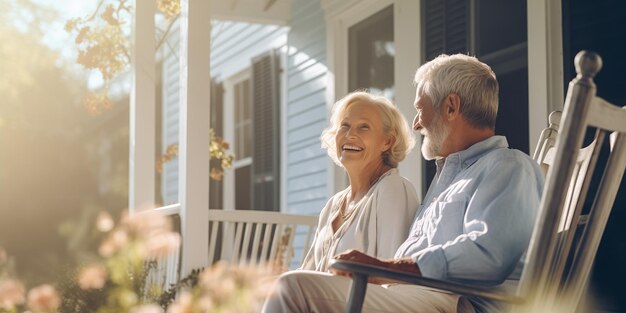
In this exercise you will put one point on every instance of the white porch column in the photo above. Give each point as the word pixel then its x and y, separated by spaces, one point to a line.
pixel 195 86
pixel 407 38
pixel 142 109
pixel 545 64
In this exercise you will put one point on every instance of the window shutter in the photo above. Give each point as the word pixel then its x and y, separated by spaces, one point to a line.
pixel 445 27
pixel 265 132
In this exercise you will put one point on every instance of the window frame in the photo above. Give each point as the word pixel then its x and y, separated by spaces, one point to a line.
pixel 228 194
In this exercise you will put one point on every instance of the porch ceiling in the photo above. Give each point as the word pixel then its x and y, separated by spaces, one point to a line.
pixel 275 12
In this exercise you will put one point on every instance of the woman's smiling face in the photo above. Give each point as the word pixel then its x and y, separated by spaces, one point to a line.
pixel 361 138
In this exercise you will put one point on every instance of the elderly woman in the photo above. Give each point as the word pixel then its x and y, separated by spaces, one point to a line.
pixel 368 137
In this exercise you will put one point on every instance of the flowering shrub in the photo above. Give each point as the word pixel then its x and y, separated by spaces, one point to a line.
pixel 117 282
pixel 13 296
pixel 224 288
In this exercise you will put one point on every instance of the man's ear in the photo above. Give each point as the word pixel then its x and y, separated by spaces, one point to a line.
pixel 452 106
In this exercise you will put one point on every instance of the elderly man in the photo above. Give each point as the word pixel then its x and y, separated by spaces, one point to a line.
pixel 476 220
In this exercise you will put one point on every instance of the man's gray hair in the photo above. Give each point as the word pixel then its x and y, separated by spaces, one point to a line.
pixel 473 81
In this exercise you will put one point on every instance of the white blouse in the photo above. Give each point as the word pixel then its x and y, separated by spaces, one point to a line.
pixel 379 225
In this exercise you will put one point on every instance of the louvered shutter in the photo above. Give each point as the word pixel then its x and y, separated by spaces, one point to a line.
pixel 265 132
pixel 445 27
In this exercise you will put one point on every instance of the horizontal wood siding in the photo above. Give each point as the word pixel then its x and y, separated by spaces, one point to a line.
pixel 306 113
pixel 170 117
pixel 235 44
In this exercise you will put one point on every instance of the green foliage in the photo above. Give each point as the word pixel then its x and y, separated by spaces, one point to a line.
pixel 76 299
pixel 188 282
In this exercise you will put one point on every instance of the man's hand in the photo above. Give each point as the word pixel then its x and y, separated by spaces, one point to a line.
pixel 405 265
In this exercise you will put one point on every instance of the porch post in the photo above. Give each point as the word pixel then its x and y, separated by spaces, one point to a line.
pixel 408 55
pixel 195 83
pixel 545 64
pixel 142 109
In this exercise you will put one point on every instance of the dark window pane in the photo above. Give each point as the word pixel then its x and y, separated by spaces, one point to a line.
pixel 216 187
pixel 242 119
pixel 512 120
pixel 245 96
pixel 371 53
pixel 238 145
pixel 238 103
pixel 500 24
pixel 242 185
pixel 246 141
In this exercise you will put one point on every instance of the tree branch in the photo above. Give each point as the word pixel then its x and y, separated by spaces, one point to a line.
pixel 166 32
pixel 95 12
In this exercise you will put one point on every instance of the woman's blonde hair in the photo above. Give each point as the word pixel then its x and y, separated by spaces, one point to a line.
pixel 394 124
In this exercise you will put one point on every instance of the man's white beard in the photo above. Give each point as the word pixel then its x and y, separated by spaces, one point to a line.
pixel 434 136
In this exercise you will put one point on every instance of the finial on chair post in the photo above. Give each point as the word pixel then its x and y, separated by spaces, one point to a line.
pixel 554 119
pixel 587 63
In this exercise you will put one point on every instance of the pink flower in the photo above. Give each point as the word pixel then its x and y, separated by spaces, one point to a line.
pixel 92 277
pixel 43 299
pixel 11 293
pixel 119 238
pixel 160 245
pixel 104 222
pixel 147 223
pixel 148 308
pixel 206 303
pixel 113 243
pixel 107 248
pixel 183 305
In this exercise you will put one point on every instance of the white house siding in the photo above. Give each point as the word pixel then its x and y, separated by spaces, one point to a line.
pixel 170 96
pixel 306 163
pixel 306 109
pixel 234 44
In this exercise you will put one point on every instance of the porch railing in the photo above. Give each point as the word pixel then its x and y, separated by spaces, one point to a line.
pixel 245 237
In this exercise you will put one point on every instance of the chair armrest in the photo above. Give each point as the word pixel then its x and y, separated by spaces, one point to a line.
pixel 454 287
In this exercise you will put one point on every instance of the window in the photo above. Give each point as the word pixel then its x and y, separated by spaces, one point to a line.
pixel 243 120
pixel 371 53
pixel 252 125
